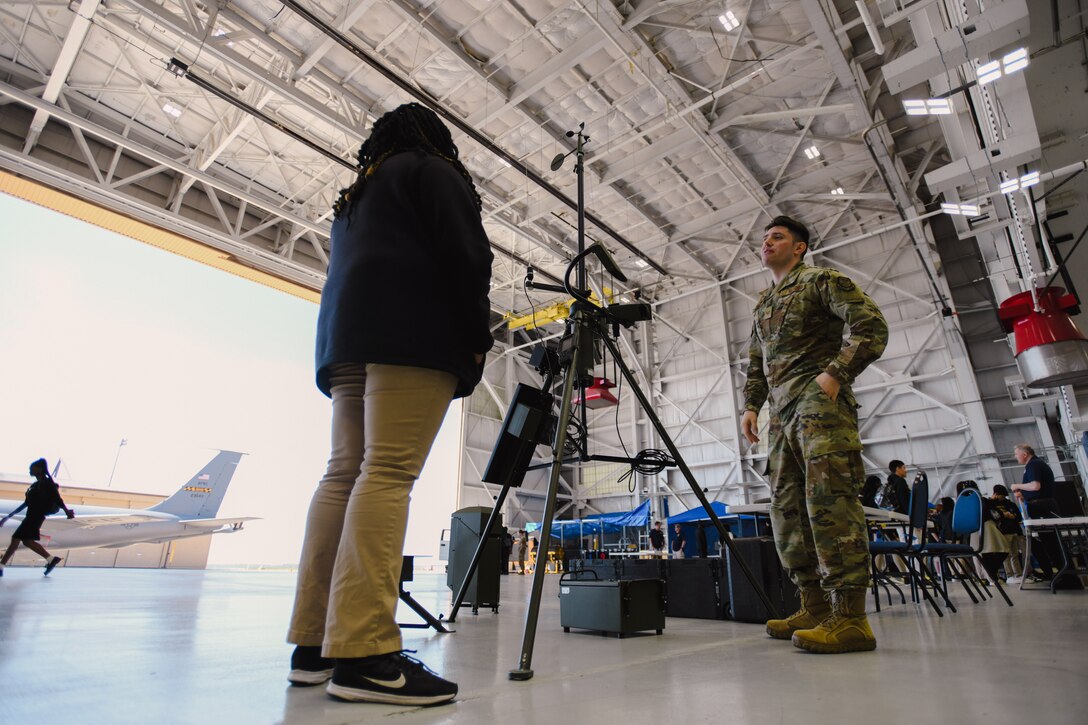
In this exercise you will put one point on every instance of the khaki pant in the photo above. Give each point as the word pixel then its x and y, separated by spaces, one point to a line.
pixel 1013 564
pixel 384 420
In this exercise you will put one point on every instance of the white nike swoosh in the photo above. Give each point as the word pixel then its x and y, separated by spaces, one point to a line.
pixel 392 684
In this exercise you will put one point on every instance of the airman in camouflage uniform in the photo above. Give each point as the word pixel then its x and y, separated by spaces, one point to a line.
pixel 799 358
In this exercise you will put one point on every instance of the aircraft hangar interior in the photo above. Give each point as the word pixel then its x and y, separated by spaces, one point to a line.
pixel 936 152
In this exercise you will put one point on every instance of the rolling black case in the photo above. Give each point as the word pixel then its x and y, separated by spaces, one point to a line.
pixel 603 569
pixel 642 568
pixel 620 607
pixel 466 528
pixel 760 556
pixel 697 588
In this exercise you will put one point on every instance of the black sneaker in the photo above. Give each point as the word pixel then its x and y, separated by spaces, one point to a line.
pixel 308 667
pixel 51 565
pixel 393 678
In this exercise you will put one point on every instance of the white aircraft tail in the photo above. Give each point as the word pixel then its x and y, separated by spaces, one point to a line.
pixel 201 496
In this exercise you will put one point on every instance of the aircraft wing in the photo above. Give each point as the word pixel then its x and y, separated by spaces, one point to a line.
pixel 213 524
pixel 197 527
pixel 60 522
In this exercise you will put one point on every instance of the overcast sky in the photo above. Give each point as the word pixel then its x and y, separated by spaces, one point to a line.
pixel 104 338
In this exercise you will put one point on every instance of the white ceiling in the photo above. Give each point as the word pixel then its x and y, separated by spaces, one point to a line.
pixel 690 149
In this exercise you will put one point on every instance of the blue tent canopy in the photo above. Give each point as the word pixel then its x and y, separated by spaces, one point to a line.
pixel 639 517
pixel 606 523
pixel 699 513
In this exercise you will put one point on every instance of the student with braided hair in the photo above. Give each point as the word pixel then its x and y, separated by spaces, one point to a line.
pixel 42 499
pixel 402 330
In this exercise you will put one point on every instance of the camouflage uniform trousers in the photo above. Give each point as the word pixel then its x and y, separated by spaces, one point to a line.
pixel 816 472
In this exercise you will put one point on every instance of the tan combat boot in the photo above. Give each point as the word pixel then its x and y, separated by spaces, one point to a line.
pixel 846 630
pixel 814 609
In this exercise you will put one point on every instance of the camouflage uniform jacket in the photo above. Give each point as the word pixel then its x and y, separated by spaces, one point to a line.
pixel 798 334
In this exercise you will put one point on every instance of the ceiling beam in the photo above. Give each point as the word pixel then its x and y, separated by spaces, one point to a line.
pixel 66 60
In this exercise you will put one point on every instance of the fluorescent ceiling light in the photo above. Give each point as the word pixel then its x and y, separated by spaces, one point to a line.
pixel 939 106
pixel 915 108
pixel 928 107
pixel 960 209
pixel 1016 60
pixel 988 72
pixel 1010 63
pixel 729 20
pixel 812 152
pixel 837 191
pixel 641 263
pixel 171 109
pixel 1027 180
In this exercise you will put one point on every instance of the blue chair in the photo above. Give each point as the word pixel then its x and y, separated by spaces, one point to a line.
pixel 966 520
pixel 911 551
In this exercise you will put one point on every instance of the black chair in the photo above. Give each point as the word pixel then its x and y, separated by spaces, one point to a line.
pixel 966 520
pixel 911 551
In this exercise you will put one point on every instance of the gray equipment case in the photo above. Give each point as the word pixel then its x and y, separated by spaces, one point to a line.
pixel 619 607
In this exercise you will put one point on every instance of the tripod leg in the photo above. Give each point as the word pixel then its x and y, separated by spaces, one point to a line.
pixel 422 612
pixel 723 533
pixel 476 555
pixel 524 670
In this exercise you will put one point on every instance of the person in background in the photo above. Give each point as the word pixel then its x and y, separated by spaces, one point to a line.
pixel 897 480
pixel 657 539
pixel 1037 487
pixel 678 542
pixel 523 550
pixel 944 520
pixel 42 499
pixel 412 217
pixel 994 547
pixel 869 490
pixel 507 549
pixel 533 554
pixel 700 540
pixel 1036 492
pixel 1007 518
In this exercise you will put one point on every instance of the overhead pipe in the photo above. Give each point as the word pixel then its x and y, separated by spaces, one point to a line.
pixel 870 27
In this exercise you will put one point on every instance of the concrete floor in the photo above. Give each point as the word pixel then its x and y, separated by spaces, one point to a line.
pixel 129 646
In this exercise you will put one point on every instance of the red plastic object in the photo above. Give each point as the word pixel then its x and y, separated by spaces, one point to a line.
pixel 597 395
pixel 1031 328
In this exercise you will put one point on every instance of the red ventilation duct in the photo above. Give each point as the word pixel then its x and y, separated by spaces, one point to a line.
pixel 1050 350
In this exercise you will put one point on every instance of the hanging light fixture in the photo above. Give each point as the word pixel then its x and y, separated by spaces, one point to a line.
pixel 1050 350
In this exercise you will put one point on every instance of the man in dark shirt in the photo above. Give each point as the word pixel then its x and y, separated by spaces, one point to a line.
pixel 1038 483
pixel 1037 491
pixel 657 539
pixel 678 542
pixel 897 479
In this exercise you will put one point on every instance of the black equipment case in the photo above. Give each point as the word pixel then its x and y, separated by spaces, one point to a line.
pixel 620 607
pixel 762 558
pixel 697 588
pixel 466 529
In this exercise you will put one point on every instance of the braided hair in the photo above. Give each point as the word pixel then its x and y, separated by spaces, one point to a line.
pixel 407 127
pixel 42 469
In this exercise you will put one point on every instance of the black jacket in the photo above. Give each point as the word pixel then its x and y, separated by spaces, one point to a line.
pixel 409 275
pixel 902 493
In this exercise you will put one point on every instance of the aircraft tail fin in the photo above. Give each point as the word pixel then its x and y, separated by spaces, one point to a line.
pixel 201 496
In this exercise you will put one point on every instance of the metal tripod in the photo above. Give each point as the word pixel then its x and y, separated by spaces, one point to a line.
pixel 589 322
